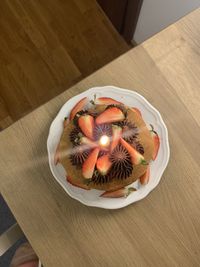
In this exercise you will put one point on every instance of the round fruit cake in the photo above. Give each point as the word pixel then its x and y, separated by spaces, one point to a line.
pixel 105 145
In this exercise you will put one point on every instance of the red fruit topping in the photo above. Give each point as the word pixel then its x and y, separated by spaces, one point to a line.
pixel 137 111
pixel 156 141
pixel 144 179
pixel 117 131
pixel 103 164
pixel 106 101
pixel 86 123
pixel 110 115
pixel 122 192
pixel 136 157
pixel 89 164
pixel 78 107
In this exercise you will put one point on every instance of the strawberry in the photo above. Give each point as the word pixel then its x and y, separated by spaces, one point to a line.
pixel 65 122
pixel 110 115
pixel 72 182
pixel 86 123
pixel 122 192
pixel 103 164
pixel 136 157
pixel 144 179
pixel 106 101
pixel 57 155
pixel 156 141
pixel 78 107
pixel 86 141
pixel 137 111
pixel 117 131
pixel 89 164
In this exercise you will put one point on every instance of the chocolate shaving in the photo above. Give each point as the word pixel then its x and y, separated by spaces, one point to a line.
pixel 102 153
pixel 75 135
pixel 98 178
pixel 102 129
pixel 138 146
pixel 129 130
pixel 79 155
pixel 121 163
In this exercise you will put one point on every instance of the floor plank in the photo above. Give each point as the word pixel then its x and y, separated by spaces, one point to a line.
pixel 5 119
pixel 45 47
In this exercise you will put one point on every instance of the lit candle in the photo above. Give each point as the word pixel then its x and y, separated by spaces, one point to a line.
pixel 104 141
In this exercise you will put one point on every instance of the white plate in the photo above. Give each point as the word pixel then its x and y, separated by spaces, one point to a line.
pixel 157 167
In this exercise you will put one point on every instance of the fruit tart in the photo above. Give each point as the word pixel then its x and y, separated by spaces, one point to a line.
pixel 106 145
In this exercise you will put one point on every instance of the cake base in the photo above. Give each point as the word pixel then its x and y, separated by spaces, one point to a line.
pixel 75 174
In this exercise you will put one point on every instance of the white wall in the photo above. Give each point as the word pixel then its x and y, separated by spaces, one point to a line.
pixel 155 15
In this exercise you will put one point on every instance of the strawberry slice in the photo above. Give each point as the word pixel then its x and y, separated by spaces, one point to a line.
pixel 65 122
pixel 72 182
pixel 117 131
pixel 78 107
pixel 86 141
pixel 106 101
pixel 110 115
pixel 89 164
pixel 122 192
pixel 57 155
pixel 86 123
pixel 144 179
pixel 137 111
pixel 103 164
pixel 156 141
pixel 136 157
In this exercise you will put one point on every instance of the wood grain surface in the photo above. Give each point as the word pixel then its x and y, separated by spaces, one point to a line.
pixel 47 46
pixel 161 230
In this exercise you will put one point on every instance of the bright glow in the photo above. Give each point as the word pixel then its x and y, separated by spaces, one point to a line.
pixel 104 140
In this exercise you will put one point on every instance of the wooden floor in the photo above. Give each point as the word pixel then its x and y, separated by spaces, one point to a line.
pixel 46 46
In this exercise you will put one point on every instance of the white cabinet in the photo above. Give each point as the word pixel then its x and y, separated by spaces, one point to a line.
pixel 155 15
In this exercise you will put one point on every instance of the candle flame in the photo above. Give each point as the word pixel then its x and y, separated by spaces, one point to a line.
pixel 104 140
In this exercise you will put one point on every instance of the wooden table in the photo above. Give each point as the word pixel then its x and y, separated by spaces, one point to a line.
pixel 161 230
